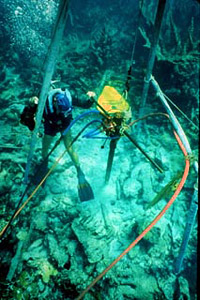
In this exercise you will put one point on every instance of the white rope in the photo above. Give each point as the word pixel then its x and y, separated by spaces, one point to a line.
pixel 180 111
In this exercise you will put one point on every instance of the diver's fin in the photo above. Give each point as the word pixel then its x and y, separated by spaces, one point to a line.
pixel 84 189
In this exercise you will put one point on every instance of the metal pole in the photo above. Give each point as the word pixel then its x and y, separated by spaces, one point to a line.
pixel 113 144
pixel 143 152
pixel 194 202
pixel 188 229
pixel 173 118
pixel 152 54
pixel 48 73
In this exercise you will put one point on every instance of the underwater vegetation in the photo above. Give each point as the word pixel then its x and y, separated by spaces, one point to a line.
pixel 57 246
pixel 167 190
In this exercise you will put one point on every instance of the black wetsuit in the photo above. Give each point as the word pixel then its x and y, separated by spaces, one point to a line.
pixel 53 122
pixel 27 116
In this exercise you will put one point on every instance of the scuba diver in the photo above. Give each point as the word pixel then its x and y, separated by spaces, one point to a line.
pixel 57 117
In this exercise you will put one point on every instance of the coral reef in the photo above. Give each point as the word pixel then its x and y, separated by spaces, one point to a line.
pixel 57 245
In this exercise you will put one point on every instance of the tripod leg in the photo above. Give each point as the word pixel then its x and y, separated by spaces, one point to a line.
pixel 113 144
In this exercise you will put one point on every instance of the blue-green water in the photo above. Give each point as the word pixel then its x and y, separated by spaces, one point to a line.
pixel 57 245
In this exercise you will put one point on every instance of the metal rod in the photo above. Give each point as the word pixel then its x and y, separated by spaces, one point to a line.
pixel 188 229
pixel 113 144
pixel 152 53
pixel 143 152
pixel 194 202
pixel 49 70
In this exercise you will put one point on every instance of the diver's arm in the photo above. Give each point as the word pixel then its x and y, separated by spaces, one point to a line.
pixel 27 117
pixel 84 103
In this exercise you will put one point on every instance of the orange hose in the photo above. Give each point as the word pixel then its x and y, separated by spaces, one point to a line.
pixel 150 226
pixel 149 115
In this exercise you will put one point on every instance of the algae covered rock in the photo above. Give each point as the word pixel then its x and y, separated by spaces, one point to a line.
pixel 35 251
pixel 43 268
pixel 58 253
pixel 91 233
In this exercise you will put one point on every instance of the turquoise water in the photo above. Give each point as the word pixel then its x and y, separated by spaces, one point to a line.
pixel 58 245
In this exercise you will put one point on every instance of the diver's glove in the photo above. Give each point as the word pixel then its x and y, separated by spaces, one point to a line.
pixel 90 101
pixel 84 189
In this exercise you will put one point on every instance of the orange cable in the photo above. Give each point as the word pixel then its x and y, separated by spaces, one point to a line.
pixel 150 226
pixel 146 116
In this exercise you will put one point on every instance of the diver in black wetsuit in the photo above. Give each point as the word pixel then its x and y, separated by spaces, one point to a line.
pixel 57 117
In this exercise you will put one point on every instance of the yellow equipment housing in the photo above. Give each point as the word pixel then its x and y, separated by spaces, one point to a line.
pixel 112 101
